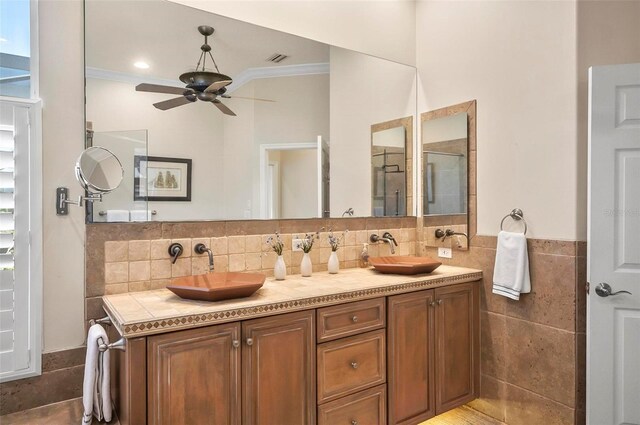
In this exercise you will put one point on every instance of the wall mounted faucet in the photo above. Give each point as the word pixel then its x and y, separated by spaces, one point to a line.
pixel 386 238
pixel 448 233
pixel 201 249
pixel 348 211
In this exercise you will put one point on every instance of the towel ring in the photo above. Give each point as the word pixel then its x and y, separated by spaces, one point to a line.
pixel 517 215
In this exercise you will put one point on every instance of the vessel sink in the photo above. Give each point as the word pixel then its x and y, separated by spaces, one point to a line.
pixel 404 264
pixel 217 286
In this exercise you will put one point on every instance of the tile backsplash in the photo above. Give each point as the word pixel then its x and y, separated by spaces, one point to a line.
pixel 139 265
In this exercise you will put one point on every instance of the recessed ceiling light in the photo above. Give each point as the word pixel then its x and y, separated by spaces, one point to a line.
pixel 141 65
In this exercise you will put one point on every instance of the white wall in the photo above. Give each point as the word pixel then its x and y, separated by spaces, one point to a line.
pixel 364 91
pixel 381 28
pixel 518 59
pixel 61 89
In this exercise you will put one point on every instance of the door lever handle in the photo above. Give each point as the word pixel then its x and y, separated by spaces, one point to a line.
pixel 604 290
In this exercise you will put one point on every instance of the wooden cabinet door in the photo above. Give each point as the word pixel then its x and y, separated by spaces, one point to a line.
pixel 194 376
pixel 457 345
pixel 278 370
pixel 410 354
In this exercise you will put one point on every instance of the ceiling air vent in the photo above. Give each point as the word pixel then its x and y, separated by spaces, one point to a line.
pixel 277 58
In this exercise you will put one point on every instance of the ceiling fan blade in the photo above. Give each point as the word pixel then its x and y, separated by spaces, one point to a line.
pixel 155 88
pixel 248 98
pixel 223 108
pixel 218 85
pixel 173 103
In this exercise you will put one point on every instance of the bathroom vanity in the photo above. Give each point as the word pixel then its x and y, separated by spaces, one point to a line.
pixel 356 348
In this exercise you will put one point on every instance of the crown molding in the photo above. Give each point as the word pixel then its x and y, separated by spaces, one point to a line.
pixel 251 74
pixel 241 79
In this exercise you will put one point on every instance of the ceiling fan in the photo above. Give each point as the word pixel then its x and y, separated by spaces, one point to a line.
pixel 201 84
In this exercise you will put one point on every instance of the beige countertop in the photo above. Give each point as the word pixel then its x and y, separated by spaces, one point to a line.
pixel 152 312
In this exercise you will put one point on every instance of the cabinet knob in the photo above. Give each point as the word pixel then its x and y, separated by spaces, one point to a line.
pixel 354 365
pixel 354 422
pixel 249 341
pixel 432 304
pixel 439 302
pixel 235 343
pixel 354 319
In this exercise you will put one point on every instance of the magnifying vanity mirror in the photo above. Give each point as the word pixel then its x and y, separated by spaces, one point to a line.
pixel 298 143
pixel 448 175
pixel 98 171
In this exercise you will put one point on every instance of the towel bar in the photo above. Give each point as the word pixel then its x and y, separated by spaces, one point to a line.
pixel 120 344
pixel 517 215
pixel 104 321
pixel 103 213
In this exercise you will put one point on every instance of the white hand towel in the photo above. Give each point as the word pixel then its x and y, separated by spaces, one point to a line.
pixel 511 271
pixel 96 394
pixel 140 215
pixel 117 215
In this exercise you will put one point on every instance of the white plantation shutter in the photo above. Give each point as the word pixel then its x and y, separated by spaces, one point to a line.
pixel 20 268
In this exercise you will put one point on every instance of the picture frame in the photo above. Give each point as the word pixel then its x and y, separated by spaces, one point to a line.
pixel 159 178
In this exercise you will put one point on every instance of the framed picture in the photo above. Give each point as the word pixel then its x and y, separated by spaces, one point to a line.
pixel 161 179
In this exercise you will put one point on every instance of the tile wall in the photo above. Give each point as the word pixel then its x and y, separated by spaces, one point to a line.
pixel 532 350
pixel 139 265
pixel 134 256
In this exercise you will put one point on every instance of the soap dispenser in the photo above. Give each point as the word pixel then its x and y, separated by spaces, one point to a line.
pixel 364 256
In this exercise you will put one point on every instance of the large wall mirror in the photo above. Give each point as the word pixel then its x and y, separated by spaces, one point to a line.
pixel 290 137
pixel 448 142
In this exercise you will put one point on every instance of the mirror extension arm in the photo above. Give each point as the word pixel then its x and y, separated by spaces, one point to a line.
pixel 62 200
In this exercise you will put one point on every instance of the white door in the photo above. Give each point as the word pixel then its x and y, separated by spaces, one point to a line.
pixel 613 321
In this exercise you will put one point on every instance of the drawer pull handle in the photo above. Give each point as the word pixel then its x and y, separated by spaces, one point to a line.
pixel 354 422
pixel 354 319
pixel 235 343
pixel 354 365
pixel 249 341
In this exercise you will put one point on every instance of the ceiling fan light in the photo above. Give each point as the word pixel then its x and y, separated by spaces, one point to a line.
pixel 141 65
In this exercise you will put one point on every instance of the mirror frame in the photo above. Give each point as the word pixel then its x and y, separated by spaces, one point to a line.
pixel 471 219
pixel 407 123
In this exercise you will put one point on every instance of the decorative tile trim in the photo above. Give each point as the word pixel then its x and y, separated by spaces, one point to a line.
pixel 195 320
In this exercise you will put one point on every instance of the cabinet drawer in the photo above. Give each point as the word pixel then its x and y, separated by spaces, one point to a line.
pixel 351 364
pixel 363 408
pixel 349 319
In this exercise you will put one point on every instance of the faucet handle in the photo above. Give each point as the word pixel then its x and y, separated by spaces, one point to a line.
pixel 175 250
pixel 390 236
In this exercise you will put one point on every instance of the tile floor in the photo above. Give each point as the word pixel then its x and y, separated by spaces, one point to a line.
pixel 462 415
pixel 63 413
